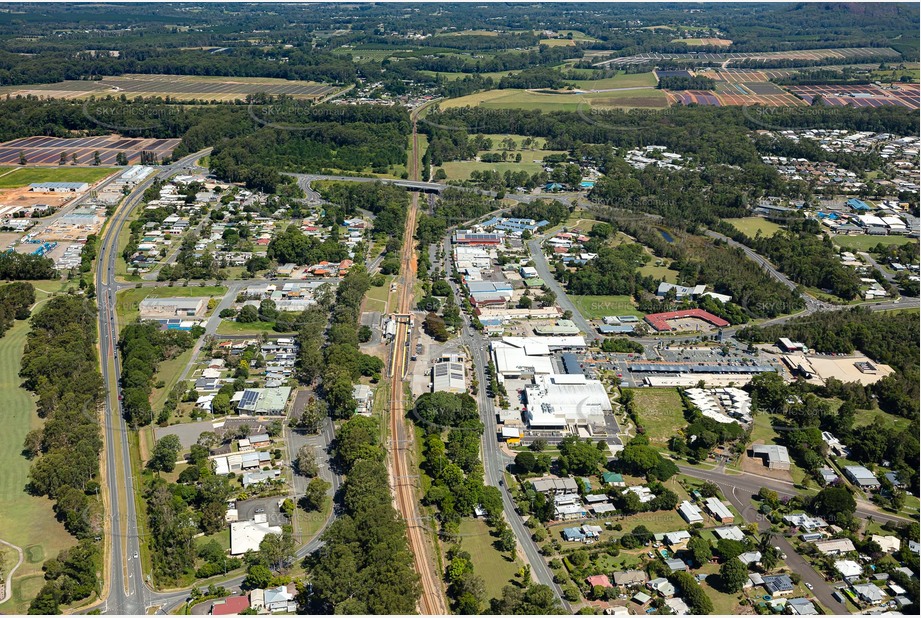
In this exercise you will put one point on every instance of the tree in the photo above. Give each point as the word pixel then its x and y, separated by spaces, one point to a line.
pixel 277 550
pixel 834 502
pixel 580 456
pixel 120 159
pixel 165 453
pixel 315 494
pixel 525 460
pixel 733 575
pixel 700 549
pixel 306 462
pixel 507 540
pixel 96 159
pixel 257 576
pixel 248 315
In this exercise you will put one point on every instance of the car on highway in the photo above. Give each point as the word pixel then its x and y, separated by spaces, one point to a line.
pixel 135 555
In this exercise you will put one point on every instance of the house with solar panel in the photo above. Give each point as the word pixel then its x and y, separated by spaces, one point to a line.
pixel 264 401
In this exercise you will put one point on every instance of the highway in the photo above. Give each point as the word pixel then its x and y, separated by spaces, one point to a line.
pixel 126 581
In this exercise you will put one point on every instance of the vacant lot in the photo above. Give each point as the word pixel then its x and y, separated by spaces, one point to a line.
pixel 25 520
pixel 750 226
pixel 23 177
pixel 127 301
pixel 597 307
pixel 660 412
pixel 701 42
pixel 488 562
pixel 865 243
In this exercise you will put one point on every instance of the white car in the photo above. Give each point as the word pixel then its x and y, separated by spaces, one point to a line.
pixel 810 586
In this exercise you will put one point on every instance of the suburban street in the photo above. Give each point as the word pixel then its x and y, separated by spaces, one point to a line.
pixel 129 590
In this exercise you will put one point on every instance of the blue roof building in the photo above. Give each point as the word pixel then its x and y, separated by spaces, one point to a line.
pixel 858 204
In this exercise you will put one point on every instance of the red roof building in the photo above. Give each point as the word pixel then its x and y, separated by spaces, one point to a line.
pixel 659 321
pixel 229 606
pixel 599 580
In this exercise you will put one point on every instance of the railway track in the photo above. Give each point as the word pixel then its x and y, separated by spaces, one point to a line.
pixel 432 599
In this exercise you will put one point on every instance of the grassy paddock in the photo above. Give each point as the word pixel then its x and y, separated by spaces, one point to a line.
pixel 24 176
pixel 660 412
pixel 488 562
pixel 596 307
pixel 750 226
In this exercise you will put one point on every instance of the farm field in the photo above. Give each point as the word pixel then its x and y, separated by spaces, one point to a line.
pixel 621 80
pixel 488 562
pixel 660 412
pixel 560 102
pixel 905 95
pixel 26 521
pixel 597 307
pixel 752 225
pixel 702 42
pixel 183 87
pixel 24 176
pixel 865 242
pixel 41 150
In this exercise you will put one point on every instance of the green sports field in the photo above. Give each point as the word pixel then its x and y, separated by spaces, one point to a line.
pixel 24 176
pixel 865 242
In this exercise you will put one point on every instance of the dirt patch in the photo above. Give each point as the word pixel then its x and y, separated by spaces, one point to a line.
pixel 755 466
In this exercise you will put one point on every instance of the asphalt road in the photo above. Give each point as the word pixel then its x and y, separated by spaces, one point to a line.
pixel 495 461
pixel 543 269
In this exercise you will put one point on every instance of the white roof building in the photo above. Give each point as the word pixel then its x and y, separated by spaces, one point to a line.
pixel 566 400
pixel 731 533
pixel 888 544
pixel 247 535
pixel 848 568
pixel 690 513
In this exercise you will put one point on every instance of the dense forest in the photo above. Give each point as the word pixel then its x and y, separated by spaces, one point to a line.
pixel 890 338
pixel 16 299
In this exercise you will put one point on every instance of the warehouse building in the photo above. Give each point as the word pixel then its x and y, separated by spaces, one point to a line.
pixel 559 401
pixel 448 375
pixel 58 187
pixel 153 308
pixel 774 456
pixel 861 477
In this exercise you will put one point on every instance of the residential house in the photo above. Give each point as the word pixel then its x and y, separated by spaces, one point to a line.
pixel 869 593
pixel 662 587
pixel 750 557
pixel 229 606
pixel 801 607
pixel 719 510
pixel 690 513
pixel 848 568
pixel 888 544
pixel 835 547
pixel 676 565
pixel 630 578
pixel 678 606
pixel 731 533
pixel 599 580
pixel 778 585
